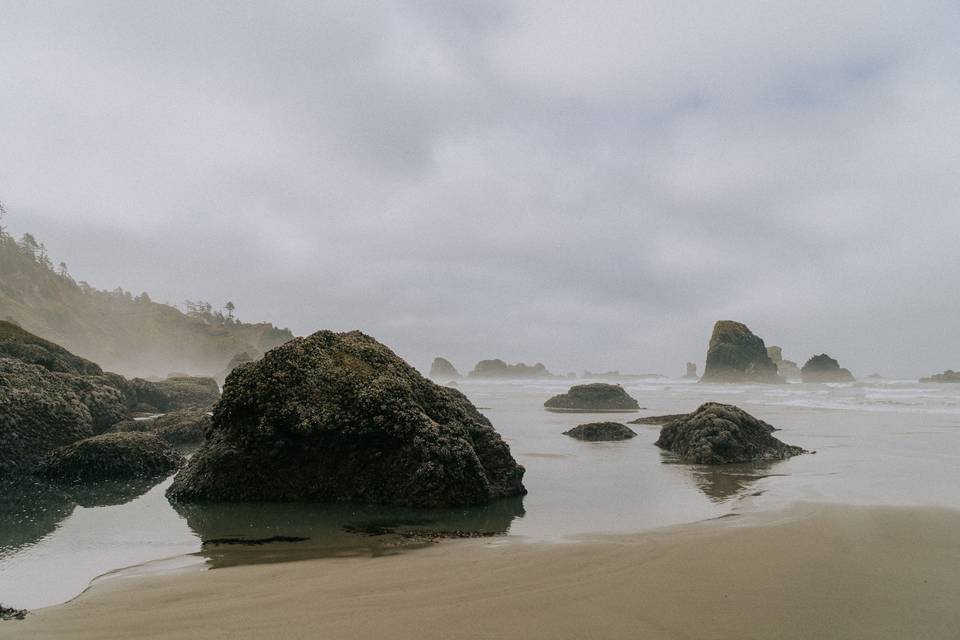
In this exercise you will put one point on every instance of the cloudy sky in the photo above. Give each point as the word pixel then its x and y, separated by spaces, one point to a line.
pixel 584 184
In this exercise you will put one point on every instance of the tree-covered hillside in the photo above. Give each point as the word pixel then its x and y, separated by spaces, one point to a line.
pixel 122 332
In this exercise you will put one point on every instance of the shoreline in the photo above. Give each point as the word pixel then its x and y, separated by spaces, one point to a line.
pixel 807 571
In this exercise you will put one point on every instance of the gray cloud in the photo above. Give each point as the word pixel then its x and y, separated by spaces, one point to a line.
pixel 586 184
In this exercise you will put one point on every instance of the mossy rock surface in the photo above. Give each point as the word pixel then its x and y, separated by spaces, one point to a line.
pixel 723 434
pixel 111 456
pixel 601 432
pixel 338 417
pixel 595 397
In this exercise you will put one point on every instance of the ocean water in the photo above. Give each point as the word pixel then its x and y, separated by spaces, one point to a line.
pixel 881 442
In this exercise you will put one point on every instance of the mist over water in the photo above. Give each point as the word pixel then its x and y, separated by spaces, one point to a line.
pixel 877 443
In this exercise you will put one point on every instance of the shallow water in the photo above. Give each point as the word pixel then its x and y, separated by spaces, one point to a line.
pixel 886 442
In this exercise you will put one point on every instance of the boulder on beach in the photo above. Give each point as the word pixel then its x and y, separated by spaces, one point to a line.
pixel 186 426
pixel 949 375
pixel 182 392
pixel 499 369
pixel 338 417
pixel 736 355
pixel 443 369
pixel 601 432
pixel 723 434
pixel 111 456
pixel 595 397
pixel 823 368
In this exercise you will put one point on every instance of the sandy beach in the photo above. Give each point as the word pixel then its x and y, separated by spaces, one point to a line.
pixel 810 571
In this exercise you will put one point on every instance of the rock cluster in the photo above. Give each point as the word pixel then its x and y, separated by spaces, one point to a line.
pixel 595 397
pixel 111 456
pixel 499 369
pixel 723 434
pixel 823 368
pixel 186 426
pixel 736 355
pixel 601 432
pixel 443 369
pixel 338 417
pixel 947 376
pixel 786 368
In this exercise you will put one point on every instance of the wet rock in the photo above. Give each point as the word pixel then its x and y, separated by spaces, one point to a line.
pixel 19 344
pixel 947 376
pixel 595 397
pixel 723 434
pixel 601 431
pixel 659 419
pixel 236 361
pixel 39 411
pixel 111 456
pixel 736 355
pixel 443 369
pixel 106 403
pixel 186 426
pixel 189 392
pixel 500 369
pixel 823 368
pixel 338 417
pixel 9 613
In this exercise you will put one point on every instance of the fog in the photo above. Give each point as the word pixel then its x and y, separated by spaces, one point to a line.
pixel 590 185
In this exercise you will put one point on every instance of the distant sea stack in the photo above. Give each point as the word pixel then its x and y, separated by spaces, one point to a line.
pixel 499 369
pixel 593 398
pixel 691 371
pixel 338 417
pixel 786 368
pixel 949 375
pixel 723 434
pixel 823 368
pixel 443 369
pixel 736 355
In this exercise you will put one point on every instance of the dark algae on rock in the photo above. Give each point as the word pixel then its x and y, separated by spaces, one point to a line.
pixel 736 355
pixel 111 456
pixel 723 434
pixel 823 368
pixel 595 397
pixel 601 432
pixel 338 417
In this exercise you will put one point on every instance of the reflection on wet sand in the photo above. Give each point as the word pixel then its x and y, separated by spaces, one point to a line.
pixel 253 533
pixel 723 482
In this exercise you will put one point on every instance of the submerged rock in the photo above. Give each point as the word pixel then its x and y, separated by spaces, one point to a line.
pixel 111 456
pixel 723 434
pixel 601 431
pixel 338 417
pixel 595 397
pixel 499 369
pixel 443 369
pixel 186 392
pixel 39 411
pixel 823 368
pixel 736 355
pixel 947 376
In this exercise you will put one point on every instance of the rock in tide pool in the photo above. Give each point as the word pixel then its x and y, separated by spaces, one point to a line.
pixel 338 417
pixel 723 434
pixel 736 355
pixel 601 432
pixel 595 397
pixel 111 456
pixel 823 368
pixel 182 392
pixel 443 369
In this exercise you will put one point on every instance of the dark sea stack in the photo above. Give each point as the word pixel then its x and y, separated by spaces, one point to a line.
pixel 736 355
pixel 601 432
pixel 39 411
pixel 691 371
pixel 443 369
pixel 949 376
pixel 595 397
pixel 19 344
pixel 823 368
pixel 499 369
pixel 186 392
pixel 338 417
pixel 111 456
pixel 723 434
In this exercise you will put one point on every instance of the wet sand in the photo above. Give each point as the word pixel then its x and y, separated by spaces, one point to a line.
pixel 810 571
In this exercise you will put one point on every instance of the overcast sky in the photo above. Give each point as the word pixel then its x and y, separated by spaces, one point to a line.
pixel 584 184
